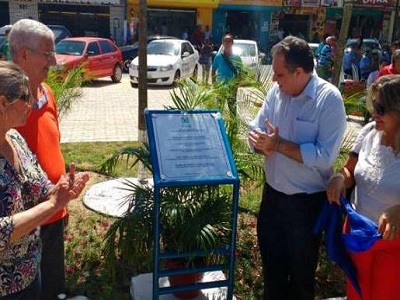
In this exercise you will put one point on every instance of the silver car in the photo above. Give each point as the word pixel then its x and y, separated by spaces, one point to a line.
pixel 167 61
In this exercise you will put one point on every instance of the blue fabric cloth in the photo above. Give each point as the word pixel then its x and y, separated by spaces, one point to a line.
pixel 362 235
pixel 363 232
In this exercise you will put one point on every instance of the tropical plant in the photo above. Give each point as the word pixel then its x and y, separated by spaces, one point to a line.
pixel 194 217
pixel 67 89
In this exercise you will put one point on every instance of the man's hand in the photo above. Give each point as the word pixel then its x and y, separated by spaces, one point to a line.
pixel 265 143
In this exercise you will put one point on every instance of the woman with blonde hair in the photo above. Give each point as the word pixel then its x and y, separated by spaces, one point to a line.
pixel 374 167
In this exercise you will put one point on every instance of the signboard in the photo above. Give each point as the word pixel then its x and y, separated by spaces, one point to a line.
pixel 374 3
pixel 189 146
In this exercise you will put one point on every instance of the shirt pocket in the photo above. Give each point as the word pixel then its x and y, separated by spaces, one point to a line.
pixel 306 131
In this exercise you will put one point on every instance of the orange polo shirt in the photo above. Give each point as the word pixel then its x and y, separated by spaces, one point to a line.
pixel 42 134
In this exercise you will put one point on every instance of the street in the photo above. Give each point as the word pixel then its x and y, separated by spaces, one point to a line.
pixel 108 112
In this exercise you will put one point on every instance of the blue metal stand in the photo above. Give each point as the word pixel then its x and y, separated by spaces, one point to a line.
pixel 208 125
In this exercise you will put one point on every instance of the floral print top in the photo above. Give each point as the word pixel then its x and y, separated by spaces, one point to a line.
pixel 19 260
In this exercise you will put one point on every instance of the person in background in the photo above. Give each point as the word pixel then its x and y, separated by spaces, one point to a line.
pixel 366 64
pixel 27 197
pixel 321 45
pixel 208 33
pixel 185 35
pixel 197 37
pixel 299 129
pixel 326 59
pixel 164 28
pixel 383 61
pixel 394 46
pixel 394 67
pixel 205 59
pixel 226 65
pixel 5 49
pixel 373 166
pixel 351 60
pixel 32 48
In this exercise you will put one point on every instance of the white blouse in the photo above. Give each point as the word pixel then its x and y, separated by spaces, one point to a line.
pixel 377 174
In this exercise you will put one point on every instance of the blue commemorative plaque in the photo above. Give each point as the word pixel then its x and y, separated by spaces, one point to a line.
pixel 189 146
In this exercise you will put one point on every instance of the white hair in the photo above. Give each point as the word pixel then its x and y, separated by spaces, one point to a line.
pixel 27 33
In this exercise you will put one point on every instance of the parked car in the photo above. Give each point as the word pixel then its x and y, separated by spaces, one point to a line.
pixel 100 57
pixel 129 52
pixel 167 61
pixel 249 53
pixel 4 28
pixel 313 47
pixel 60 32
pixel 371 44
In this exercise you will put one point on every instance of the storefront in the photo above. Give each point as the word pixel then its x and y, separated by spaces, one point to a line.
pixel 370 19
pixel 245 21
pixel 4 13
pixel 172 17
pixel 304 19
pixel 81 20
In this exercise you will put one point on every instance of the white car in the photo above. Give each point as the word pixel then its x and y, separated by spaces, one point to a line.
pixel 167 60
pixel 249 53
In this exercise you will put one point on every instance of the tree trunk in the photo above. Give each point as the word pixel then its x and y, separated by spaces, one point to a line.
pixel 142 84
pixel 341 42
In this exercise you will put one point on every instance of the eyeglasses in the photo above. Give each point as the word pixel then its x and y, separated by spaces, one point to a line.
pixel 27 97
pixel 379 108
pixel 48 54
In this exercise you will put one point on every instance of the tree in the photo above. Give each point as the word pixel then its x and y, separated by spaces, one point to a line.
pixel 344 29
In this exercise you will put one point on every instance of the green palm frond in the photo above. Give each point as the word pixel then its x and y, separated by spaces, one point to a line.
pixel 66 88
pixel 139 154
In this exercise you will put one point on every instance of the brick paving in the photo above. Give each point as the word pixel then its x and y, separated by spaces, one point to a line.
pixel 108 112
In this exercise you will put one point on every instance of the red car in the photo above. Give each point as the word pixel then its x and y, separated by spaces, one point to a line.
pixel 100 57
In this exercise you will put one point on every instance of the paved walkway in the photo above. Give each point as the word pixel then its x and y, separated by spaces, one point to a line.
pixel 108 112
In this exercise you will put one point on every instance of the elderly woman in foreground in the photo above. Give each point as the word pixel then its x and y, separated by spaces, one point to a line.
pixel 27 198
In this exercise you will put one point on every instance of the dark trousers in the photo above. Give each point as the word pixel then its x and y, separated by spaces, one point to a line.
pixel 288 246
pixel 52 264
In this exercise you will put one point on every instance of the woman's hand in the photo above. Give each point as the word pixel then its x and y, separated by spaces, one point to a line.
pixel 389 223
pixel 68 188
pixel 335 189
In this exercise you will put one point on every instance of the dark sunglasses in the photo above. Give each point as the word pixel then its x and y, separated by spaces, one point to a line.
pixel 26 97
pixel 379 108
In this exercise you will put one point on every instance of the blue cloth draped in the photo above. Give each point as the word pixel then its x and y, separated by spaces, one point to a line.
pixel 362 235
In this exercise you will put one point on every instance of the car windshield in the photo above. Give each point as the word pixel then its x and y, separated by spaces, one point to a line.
pixel 163 48
pixel 70 47
pixel 244 50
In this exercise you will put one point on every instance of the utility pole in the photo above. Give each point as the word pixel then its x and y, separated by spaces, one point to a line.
pixel 142 80
pixel 341 42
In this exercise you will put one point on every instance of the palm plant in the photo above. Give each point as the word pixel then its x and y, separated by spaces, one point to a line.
pixel 195 217
pixel 67 89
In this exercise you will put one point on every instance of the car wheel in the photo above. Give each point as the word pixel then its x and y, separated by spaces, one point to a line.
pixel 177 77
pixel 127 63
pixel 196 73
pixel 134 85
pixel 117 74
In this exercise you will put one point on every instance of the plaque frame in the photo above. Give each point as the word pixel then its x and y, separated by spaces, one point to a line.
pixel 224 174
